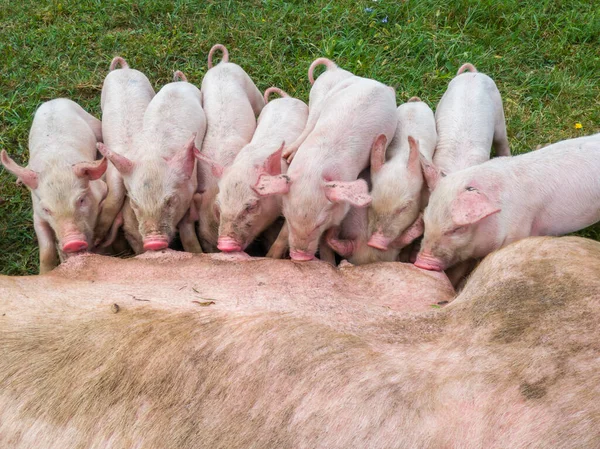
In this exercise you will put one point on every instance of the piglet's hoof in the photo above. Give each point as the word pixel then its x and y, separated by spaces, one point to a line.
pixel 345 264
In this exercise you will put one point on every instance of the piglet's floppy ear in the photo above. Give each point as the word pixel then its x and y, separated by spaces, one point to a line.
pixel 272 165
pixel 91 170
pixel 343 247
pixel 471 206
pixel 413 164
pixel 410 234
pixel 356 193
pixel 185 160
pixel 121 163
pixel 272 185
pixel 216 168
pixel 430 171
pixel 25 175
pixel 378 153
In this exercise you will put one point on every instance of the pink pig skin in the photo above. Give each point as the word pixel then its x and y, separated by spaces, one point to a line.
pixel 398 189
pixel 321 183
pixel 552 191
pixel 231 102
pixel 64 178
pixel 469 119
pixel 159 171
pixel 350 239
pixel 244 214
pixel 126 93
pixel 320 89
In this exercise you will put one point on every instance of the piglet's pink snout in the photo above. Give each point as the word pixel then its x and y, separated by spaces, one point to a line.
pixel 228 245
pixel 301 255
pixel 155 243
pixel 428 263
pixel 74 245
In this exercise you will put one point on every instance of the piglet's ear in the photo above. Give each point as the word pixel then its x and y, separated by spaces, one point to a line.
pixel 272 165
pixel 343 247
pixel 267 185
pixel 185 160
pixel 91 170
pixel 413 165
pixel 25 175
pixel 378 153
pixel 216 168
pixel 355 193
pixel 430 171
pixel 121 163
pixel 471 206
pixel 410 234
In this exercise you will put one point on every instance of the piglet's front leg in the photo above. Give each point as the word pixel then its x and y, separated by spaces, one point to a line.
pixel 280 245
pixel 187 227
pixel 131 228
pixel 45 236
pixel 111 207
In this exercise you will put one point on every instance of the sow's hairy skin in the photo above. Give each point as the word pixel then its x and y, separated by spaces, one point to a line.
pixel 93 357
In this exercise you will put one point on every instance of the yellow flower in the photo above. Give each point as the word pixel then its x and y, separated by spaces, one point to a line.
pixel 578 125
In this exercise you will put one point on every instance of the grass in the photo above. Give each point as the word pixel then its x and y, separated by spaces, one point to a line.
pixel 543 55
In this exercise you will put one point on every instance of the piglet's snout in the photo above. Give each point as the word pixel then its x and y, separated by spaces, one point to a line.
pixel 75 244
pixel 428 262
pixel 72 239
pixel 301 255
pixel 228 244
pixel 156 243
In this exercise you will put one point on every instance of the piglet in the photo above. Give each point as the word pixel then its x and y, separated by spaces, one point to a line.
pixel 160 170
pixel 126 94
pixel 469 119
pixel 231 103
pixel 398 194
pixel 552 191
pixel 320 89
pixel 321 183
pixel 244 214
pixel 349 240
pixel 64 178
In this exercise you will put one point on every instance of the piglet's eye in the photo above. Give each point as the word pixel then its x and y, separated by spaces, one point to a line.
pixel 47 211
pixel 81 202
pixel 399 210
pixel 457 230
pixel 171 201
pixel 251 207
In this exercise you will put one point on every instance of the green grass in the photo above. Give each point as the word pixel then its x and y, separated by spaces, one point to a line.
pixel 544 56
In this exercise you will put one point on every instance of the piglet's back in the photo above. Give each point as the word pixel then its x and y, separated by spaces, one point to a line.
pixel 231 102
pixel 63 132
pixel 126 94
